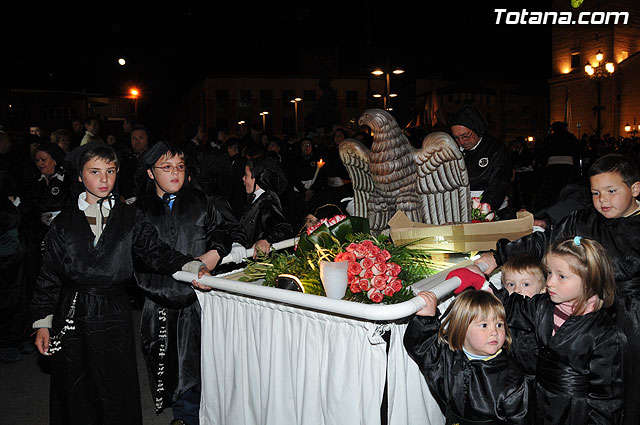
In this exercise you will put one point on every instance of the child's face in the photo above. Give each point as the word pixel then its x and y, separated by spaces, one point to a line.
pixel 563 285
pixel 168 173
pixel 485 336
pixel 612 197
pixel 98 178
pixel 523 283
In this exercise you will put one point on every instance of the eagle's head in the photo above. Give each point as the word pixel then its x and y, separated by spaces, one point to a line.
pixel 377 120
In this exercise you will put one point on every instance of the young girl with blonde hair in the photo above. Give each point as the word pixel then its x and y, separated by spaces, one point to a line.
pixel 465 360
pixel 579 372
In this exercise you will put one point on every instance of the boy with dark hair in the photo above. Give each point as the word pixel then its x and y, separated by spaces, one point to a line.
pixel 91 248
pixel 189 222
pixel 614 221
pixel 263 220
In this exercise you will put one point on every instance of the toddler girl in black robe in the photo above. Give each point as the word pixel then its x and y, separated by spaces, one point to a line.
pixel 465 360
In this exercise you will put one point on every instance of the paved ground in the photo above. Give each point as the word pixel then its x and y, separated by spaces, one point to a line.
pixel 24 389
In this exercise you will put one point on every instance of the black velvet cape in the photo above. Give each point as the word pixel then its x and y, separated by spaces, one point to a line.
pixel 621 239
pixel 263 219
pixel 489 168
pixel 579 373
pixel 494 389
pixel 192 226
pixel 94 377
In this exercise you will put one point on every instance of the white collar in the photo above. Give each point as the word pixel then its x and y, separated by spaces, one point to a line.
pixel 56 175
pixel 83 204
pixel 257 192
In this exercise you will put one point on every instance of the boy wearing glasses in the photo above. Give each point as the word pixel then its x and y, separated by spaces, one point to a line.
pixel 188 221
pixel 488 162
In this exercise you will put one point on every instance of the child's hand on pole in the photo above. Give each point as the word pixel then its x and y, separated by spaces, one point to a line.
pixel 431 306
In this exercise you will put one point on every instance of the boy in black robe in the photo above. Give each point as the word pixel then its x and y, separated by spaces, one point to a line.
pixel 614 221
pixel 190 222
pixel 80 297
pixel 263 219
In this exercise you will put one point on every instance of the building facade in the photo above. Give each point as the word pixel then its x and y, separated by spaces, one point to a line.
pixel 592 105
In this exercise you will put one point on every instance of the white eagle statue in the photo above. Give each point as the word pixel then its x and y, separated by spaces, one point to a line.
pixel 430 184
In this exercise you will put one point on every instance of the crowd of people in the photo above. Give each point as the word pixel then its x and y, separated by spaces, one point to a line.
pixel 85 214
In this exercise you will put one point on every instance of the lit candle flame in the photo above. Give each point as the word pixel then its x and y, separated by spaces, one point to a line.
pixel 320 163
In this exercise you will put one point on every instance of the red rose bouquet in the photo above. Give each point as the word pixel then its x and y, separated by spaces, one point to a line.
pixel 378 271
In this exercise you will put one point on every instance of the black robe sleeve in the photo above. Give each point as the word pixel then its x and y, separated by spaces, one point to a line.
pixel 47 290
pixel 152 252
pixel 229 222
pixel 422 345
pixel 217 234
pixel 537 242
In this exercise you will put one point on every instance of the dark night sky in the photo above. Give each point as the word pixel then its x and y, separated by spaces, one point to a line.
pixel 170 49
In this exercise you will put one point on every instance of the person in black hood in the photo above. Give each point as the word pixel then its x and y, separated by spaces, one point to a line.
pixel 488 162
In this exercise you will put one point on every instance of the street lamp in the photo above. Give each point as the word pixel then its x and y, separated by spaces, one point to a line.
pixel 295 107
pixel 134 93
pixel 379 72
pixel 599 72
pixel 632 129
pixel 264 114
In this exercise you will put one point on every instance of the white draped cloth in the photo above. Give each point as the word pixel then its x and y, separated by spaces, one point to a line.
pixel 268 363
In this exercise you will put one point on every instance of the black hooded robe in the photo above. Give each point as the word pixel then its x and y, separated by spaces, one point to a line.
pixel 94 378
pixel 263 219
pixel 481 391
pixel 170 320
pixel 579 373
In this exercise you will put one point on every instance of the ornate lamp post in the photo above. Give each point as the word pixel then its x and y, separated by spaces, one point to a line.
pixel 599 72
pixel 633 130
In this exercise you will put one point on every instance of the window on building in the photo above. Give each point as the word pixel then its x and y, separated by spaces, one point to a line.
pixel 351 98
pixel 244 99
pixel 222 99
pixel 576 61
pixel 266 99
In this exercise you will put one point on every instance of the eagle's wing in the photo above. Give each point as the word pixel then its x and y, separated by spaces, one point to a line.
pixel 443 182
pixel 355 157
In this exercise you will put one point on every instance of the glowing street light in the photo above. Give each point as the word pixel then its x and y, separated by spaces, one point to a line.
pixel 122 62
pixel 388 94
pixel 264 114
pixel 295 108
pixel 599 72
pixel 134 93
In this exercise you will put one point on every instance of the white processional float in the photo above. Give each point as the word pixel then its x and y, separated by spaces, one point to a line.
pixel 279 356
